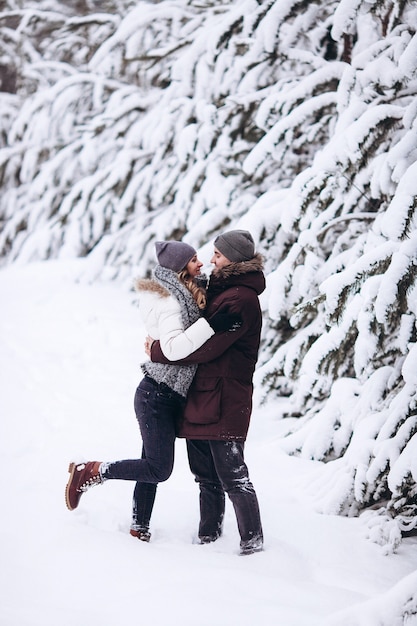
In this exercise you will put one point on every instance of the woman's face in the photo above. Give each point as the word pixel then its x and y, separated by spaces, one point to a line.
pixel 194 266
pixel 218 259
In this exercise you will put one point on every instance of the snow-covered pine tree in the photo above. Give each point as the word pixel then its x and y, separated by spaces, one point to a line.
pixel 161 119
pixel 344 295
pixel 294 119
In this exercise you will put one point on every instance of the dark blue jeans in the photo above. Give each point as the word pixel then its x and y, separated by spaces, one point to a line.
pixel 219 467
pixel 157 408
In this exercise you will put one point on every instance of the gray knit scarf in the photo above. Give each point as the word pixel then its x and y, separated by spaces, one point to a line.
pixel 176 377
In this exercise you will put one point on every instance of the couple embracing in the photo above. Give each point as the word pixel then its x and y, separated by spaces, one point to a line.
pixel 202 343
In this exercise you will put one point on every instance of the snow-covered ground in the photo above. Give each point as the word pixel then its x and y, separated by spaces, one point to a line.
pixel 69 365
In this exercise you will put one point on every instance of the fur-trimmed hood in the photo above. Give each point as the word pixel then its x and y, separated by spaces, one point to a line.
pixel 150 285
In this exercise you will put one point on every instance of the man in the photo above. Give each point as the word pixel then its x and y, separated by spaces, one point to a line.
pixel 219 403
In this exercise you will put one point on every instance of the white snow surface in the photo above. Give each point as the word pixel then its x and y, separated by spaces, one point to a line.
pixel 69 364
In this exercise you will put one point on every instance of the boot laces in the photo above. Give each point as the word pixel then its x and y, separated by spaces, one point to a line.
pixel 90 482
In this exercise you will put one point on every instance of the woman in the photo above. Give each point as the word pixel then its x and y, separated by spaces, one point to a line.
pixel 170 304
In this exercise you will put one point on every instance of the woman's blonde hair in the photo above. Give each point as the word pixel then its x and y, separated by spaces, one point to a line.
pixel 198 293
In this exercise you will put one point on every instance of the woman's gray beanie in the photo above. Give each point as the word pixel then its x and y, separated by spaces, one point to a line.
pixel 236 245
pixel 174 255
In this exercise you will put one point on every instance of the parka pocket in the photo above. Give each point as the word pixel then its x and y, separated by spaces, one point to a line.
pixel 204 401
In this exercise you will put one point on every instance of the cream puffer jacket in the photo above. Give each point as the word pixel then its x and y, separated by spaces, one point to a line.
pixel 161 314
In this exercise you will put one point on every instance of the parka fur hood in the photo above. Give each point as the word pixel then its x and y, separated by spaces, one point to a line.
pixel 151 286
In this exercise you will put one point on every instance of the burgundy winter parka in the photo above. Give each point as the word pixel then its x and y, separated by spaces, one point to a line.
pixel 219 402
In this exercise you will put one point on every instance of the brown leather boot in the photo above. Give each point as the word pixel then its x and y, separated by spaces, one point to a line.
pixel 82 477
pixel 142 535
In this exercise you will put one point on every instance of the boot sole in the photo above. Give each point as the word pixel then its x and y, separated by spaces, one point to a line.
pixel 71 470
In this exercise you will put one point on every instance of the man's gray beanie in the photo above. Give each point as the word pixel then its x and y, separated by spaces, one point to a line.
pixel 174 255
pixel 236 245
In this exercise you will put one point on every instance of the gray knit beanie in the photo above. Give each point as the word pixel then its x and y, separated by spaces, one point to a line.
pixel 174 255
pixel 236 245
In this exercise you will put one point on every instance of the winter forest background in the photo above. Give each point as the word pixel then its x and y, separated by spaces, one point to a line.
pixel 127 121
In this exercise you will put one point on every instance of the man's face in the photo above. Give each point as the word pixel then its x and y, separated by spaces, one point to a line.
pixel 218 259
